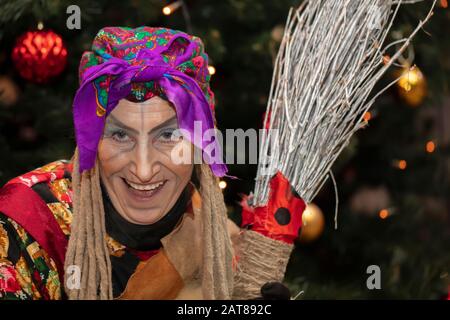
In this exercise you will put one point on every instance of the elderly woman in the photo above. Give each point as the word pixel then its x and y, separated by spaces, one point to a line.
pixel 125 218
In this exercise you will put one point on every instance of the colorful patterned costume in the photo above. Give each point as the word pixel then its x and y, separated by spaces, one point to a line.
pixel 26 270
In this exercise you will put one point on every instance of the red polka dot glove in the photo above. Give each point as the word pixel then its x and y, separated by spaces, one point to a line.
pixel 281 218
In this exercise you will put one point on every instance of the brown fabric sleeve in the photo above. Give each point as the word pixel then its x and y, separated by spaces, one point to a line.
pixel 183 246
pixel 155 279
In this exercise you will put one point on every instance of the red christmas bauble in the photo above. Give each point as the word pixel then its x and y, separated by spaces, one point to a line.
pixel 39 55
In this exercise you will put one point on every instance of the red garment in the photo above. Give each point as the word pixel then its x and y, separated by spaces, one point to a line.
pixel 281 218
pixel 26 207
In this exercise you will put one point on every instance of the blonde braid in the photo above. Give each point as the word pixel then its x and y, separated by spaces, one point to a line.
pixel 103 261
pixel 217 273
pixel 88 234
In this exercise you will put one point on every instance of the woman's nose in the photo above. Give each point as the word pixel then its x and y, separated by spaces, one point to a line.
pixel 146 163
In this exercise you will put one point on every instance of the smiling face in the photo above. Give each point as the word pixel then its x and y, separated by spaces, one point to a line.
pixel 135 162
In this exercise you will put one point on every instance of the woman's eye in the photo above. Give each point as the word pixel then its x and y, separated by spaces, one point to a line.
pixel 120 136
pixel 170 136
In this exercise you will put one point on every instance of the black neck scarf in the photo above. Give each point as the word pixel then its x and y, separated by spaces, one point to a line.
pixel 143 237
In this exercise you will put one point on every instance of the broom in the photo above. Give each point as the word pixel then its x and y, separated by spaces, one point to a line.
pixel 330 58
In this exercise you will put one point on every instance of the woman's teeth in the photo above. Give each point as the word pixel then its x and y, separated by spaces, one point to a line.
pixel 145 187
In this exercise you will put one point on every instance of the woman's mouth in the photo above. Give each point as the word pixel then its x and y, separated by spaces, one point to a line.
pixel 143 192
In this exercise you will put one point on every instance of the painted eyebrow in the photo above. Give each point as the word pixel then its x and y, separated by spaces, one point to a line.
pixel 113 120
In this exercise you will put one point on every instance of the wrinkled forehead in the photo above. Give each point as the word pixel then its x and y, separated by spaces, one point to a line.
pixel 142 116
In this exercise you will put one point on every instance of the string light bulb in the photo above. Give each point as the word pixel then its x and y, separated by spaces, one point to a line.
pixel 40 25
pixel 402 164
pixel 384 213
pixel 430 147
pixel 211 70
pixel 222 184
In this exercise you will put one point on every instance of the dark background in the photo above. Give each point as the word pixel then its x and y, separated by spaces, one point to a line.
pixel 411 244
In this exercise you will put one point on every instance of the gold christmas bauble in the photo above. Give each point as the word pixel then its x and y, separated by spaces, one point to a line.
pixel 313 223
pixel 412 86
